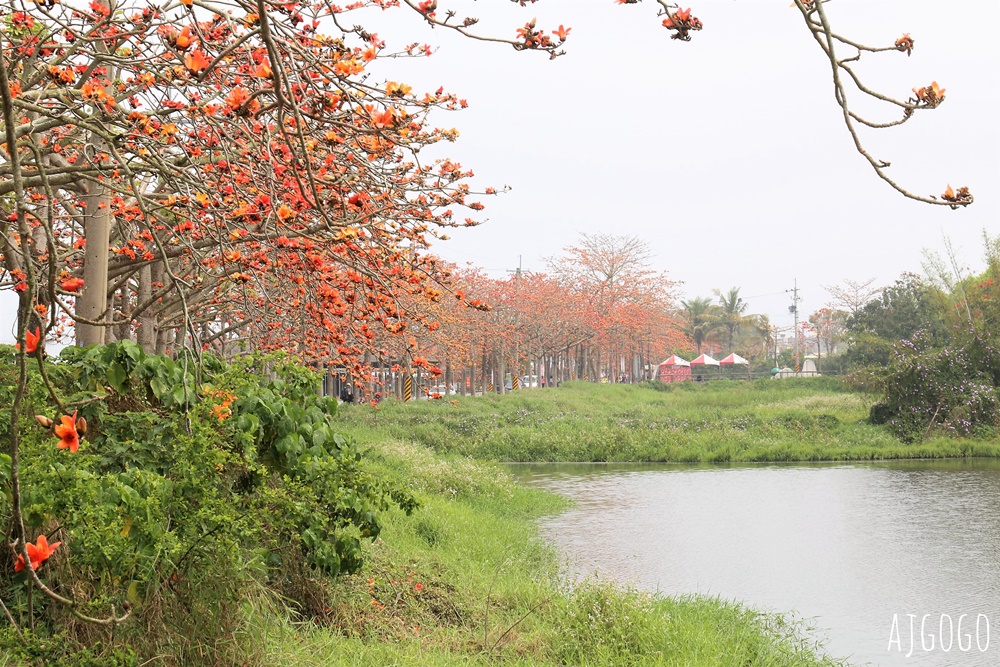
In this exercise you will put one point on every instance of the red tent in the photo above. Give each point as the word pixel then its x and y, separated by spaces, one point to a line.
pixel 674 369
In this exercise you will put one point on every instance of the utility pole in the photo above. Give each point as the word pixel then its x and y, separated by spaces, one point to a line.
pixel 794 309
pixel 517 271
pixel 776 347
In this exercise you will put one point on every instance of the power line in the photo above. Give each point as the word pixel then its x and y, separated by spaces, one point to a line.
pixel 759 296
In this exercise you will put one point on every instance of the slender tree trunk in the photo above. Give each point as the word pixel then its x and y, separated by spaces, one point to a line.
pixel 92 304
pixel 146 333
pixel 483 378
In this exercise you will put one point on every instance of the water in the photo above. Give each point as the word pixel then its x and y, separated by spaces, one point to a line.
pixel 854 547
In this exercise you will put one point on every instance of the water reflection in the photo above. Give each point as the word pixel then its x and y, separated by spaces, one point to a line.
pixel 849 545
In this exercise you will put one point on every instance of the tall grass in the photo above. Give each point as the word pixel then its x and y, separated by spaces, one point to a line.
pixel 796 419
pixel 466 581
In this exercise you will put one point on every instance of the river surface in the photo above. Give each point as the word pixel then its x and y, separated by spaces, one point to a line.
pixel 853 548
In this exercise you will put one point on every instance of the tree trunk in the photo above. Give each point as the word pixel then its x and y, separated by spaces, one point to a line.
pixel 92 303
pixel 146 333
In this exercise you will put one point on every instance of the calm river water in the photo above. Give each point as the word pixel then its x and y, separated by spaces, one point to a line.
pixel 855 548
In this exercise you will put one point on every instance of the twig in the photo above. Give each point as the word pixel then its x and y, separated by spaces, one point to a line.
pixel 489 594
pixel 931 424
pixel 10 619
pixel 519 621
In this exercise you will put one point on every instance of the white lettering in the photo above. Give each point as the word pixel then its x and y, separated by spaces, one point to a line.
pixel 913 617
pixel 967 635
pixel 982 649
pixel 950 635
pixel 894 632
pixel 923 643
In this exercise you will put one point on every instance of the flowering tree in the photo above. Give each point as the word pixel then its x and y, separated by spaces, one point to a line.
pixel 829 326
pixel 629 305
pixel 220 156
pixel 852 295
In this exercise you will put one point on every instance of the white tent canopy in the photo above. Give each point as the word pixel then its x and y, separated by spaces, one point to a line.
pixel 674 360
pixel 705 360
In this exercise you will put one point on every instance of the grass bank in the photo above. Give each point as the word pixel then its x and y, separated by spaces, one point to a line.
pixel 465 581
pixel 796 419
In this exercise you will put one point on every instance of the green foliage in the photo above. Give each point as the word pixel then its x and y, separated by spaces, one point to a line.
pixel 898 313
pixel 618 624
pixel 193 482
pixel 950 389
pixel 791 419
pixel 31 649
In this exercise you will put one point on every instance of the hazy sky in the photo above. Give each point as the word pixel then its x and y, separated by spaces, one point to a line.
pixel 727 154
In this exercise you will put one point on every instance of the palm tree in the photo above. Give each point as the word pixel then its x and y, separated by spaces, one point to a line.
pixel 702 319
pixel 731 312
pixel 763 333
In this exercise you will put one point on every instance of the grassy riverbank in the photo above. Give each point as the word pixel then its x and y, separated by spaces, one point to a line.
pixel 796 419
pixel 465 581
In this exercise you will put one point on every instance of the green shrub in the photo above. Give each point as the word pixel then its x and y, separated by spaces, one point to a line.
pixel 196 486
pixel 926 388
pixel 30 649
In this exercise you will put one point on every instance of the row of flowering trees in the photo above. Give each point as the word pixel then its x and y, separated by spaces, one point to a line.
pixel 600 311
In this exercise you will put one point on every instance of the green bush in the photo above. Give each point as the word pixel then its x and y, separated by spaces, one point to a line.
pixel 927 388
pixel 197 484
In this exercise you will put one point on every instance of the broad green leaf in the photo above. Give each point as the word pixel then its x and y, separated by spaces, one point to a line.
pixel 116 376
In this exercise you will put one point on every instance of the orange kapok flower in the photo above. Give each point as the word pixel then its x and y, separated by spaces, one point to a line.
pixel 196 61
pixel 237 97
pixel 38 553
pixel 71 283
pixel 31 341
pixel 184 38
pixel 68 436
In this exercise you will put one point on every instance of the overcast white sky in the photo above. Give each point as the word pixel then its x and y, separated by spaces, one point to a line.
pixel 727 154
